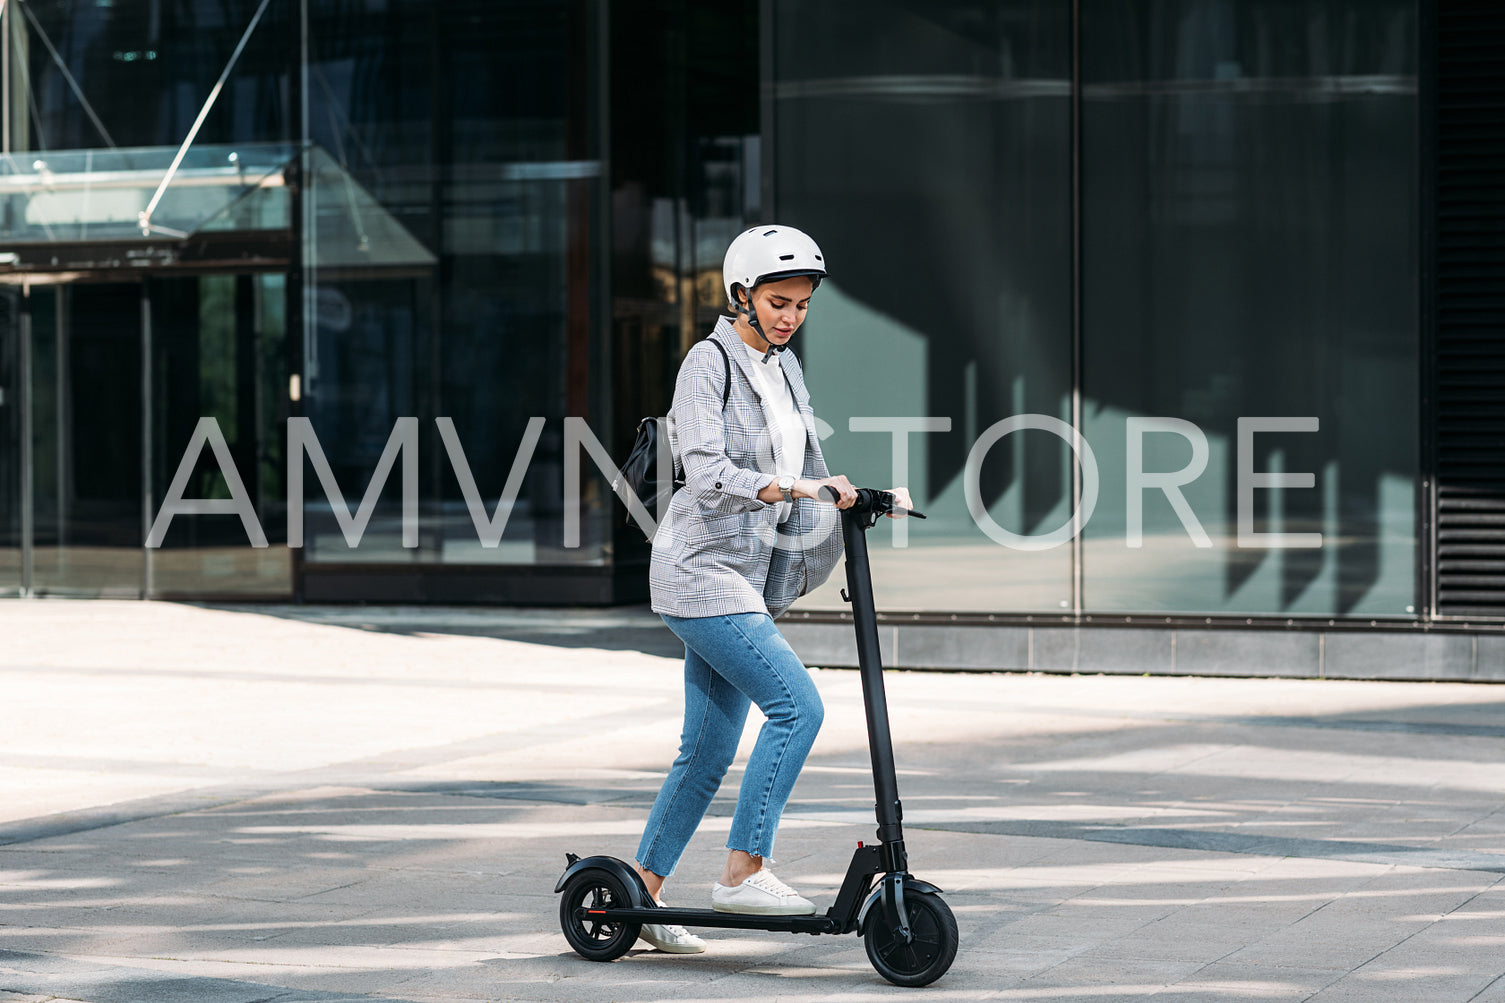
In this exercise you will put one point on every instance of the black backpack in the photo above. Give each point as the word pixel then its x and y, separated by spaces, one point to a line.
pixel 640 470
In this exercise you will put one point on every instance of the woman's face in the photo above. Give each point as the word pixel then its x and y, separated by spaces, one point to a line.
pixel 781 307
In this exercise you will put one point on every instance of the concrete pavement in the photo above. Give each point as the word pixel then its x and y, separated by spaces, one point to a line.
pixel 279 803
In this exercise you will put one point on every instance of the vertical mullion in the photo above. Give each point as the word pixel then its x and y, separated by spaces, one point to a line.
pixel 602 358
pixel 62 411
pixel 28 483
pixel 429 402
pixel 146 437
pixel 767 109
pixel 1426 163
pixel 297 289
pixel 307 231
pixel 1076 296
pixel 5 19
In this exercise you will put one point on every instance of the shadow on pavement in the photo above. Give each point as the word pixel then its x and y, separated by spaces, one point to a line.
pixel 632 628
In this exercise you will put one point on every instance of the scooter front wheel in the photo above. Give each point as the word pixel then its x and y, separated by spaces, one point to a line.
pixel 930 951
pixel 592 937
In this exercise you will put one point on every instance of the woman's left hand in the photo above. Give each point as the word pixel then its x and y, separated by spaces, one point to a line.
pixel 901 500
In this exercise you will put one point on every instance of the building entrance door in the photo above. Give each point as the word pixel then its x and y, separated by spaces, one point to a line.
pixel 112 380
pixel 219 350
pixel 85 403
pixel 142 291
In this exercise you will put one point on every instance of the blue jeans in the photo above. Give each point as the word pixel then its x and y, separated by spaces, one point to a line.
pixel 731 661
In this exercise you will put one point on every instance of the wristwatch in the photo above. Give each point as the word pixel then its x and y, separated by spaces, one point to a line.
pixel 786 487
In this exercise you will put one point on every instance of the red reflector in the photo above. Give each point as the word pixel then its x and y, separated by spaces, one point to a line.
pixel 596 912
pixel 859 844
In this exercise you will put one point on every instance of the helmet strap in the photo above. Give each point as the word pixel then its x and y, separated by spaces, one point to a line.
pixel 746 308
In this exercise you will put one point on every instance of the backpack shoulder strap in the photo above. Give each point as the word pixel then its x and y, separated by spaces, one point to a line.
pixel 726 387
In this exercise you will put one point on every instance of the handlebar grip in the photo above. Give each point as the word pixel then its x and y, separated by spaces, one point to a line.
pixel 869 500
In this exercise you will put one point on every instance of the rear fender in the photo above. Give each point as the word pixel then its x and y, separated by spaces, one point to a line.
pixel 622 871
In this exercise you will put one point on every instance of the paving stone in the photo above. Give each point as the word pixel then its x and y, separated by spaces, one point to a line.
pixel 1090 969
pixel 1400 985
pixel 1493 993
pixel 1224 981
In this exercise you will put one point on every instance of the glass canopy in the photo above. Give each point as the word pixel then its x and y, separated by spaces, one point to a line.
pixel 351 229
pixel 118 195
pixel 91 195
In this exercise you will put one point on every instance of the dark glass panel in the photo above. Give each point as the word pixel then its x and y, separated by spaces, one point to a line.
pixel 1250 249
pixel 474 124
pixel 926 148
pixel 145 69
pixel 218 352
pixel 86 443
pixel 685 179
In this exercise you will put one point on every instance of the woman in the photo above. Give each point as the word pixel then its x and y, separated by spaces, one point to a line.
pixel 743 539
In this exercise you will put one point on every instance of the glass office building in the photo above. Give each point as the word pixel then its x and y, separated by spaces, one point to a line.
pixel 1179 318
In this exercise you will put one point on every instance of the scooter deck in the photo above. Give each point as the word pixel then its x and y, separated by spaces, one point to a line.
pixel 813 924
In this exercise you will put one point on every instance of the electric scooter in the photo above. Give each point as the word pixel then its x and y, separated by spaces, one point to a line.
pixel 909 931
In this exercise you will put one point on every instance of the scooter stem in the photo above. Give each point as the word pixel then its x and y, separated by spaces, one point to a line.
pixel 870 664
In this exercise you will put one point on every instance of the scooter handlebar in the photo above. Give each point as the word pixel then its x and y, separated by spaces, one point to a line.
pixel 870 501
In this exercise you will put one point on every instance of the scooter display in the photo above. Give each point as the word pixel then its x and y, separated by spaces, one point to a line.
pixel 909 931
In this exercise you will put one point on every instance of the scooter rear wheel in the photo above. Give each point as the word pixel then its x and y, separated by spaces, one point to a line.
pixel 928 955
pixel 592 937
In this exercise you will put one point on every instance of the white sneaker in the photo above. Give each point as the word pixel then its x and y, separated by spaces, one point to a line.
pixel 671 939
pixel 761 895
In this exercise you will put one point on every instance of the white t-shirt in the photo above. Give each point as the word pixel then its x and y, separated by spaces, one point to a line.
pixel 790 432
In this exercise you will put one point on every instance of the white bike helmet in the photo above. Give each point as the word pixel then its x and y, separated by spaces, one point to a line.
pixel 768 253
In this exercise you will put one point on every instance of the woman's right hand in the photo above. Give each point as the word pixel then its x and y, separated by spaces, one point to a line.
pixel 846 493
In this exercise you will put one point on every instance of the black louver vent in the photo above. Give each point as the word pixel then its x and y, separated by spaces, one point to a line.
pixel 1470 444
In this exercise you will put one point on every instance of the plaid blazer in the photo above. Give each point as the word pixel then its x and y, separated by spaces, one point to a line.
pixel 719 549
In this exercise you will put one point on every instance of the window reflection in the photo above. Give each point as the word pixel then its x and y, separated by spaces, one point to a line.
pixel 1248 239
pixel 470 123
pixel 926 147
pixel 1249 232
